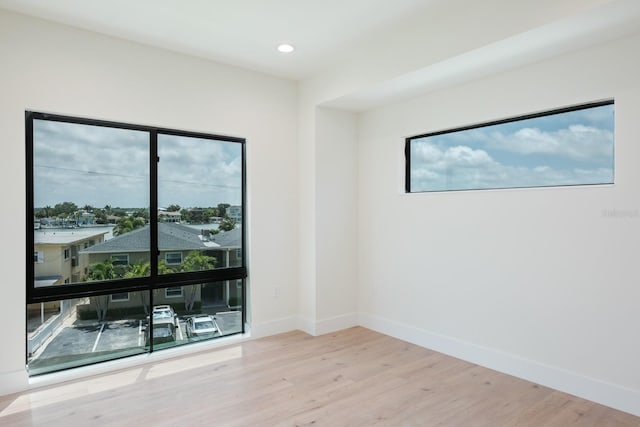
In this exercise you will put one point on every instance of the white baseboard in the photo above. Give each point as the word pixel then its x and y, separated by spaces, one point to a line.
pixel 307 325
pixel 328 325
pixel 614 396
pixel 13 382
pixel 273 327
pixel 336 323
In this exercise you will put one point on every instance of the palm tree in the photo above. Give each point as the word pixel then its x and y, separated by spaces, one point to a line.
pixel 140 269
pixel 163 268
pixel 227 224
pixel 195 261
pixel 101 271
pixel 143 269
pixel 125 225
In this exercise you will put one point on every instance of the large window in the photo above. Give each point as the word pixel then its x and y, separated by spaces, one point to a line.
pixel 569 146
pixel 146 212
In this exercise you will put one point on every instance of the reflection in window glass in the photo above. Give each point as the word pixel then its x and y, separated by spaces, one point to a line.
pixel 570 147
pixel 76 332
pixel 200 203
pixel 91 198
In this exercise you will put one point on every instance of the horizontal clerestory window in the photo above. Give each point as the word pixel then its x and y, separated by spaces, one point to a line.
pixel 562 147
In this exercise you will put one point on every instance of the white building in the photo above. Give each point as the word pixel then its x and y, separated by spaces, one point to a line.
pixel 235 213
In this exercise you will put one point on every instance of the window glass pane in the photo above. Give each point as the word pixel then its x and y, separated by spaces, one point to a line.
pixel 567 148
pixel 199 199
pixel 91 198
pixel 75 332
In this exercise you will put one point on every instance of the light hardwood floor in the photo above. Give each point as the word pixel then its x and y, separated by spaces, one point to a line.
pixel 354 377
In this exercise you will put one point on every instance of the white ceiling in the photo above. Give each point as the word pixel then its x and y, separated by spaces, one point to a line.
pixel 244 33
pixel 363 52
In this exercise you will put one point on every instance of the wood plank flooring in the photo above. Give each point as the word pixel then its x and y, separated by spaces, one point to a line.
pixel 354 377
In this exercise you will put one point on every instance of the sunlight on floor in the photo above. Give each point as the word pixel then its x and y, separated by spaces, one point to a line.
pixel 57 394
pixel 196 361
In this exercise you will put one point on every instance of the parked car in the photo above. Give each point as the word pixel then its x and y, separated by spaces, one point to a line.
pixel 165 322
pixel 164 312
pixel 163 331
pixel 203 325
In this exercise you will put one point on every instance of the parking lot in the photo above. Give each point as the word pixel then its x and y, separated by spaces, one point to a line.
pixel 86 341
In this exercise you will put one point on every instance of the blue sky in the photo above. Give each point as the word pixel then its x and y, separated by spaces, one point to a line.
pixel 561 149
pixel 102 166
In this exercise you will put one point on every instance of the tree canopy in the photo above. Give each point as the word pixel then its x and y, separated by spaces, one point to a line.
pixel 127 224
pixel 227 224
pixel 194 261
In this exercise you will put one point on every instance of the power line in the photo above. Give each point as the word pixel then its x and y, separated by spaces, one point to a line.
pixel 84 172
pixel 91 172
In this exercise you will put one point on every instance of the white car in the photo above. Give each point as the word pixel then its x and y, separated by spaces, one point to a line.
pixel 165 322
pixel 203 325
pixel 162 312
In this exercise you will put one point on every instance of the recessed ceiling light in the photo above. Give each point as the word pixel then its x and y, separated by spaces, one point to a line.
pixel 285 48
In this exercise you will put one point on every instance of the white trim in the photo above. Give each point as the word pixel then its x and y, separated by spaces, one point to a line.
pixel 328 325
pixel 273 327
pixel 13 382
pixel 611 395
pixel 307 325
pixel 336 323
pixel 608 394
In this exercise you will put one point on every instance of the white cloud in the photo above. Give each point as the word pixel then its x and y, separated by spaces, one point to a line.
pixel 100 165
pixel 462 167
pixel 576 142
pixel 459 156
pixel 203 172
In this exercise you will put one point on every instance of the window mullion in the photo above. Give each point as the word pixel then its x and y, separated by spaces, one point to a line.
pixel 153 200
pixel 154 251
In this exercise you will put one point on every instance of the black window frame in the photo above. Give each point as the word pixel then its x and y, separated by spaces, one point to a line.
pixel 408 140
pixel 154 280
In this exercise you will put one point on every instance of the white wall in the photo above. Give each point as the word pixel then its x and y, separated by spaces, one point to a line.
pixel 534 282
pixel 327 285
pixel 52 68
pixel 307 216
pixel 336 219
